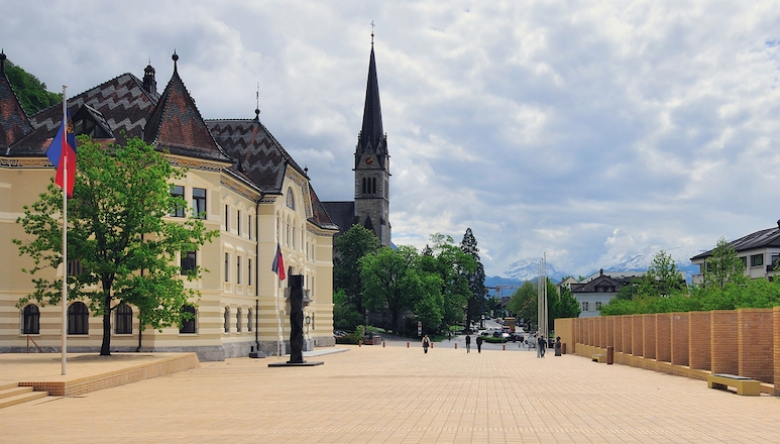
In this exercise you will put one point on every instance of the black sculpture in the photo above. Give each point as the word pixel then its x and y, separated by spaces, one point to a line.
pixel 296 319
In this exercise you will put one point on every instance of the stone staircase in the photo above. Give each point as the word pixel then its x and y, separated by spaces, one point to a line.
pixel 12 394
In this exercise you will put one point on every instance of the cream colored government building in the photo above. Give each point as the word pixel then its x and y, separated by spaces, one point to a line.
pixel 249 187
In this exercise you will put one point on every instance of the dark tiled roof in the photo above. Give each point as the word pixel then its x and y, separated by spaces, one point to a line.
pixel 319 214
pixel 600 281
pixel 342 213
pixel 14 123
pixel 122 102
pixel 255 151
pixel 760 239
pixel 177 126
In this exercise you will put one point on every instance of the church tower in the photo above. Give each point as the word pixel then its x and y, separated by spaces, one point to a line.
pixel 372 164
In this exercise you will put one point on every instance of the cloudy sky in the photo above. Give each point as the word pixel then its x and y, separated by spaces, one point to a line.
pixel 592 131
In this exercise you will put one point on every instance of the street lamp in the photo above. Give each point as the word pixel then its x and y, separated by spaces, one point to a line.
pixel 308 323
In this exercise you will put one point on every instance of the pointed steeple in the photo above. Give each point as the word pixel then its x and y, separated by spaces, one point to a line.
pixel 14 123
pixel 371 133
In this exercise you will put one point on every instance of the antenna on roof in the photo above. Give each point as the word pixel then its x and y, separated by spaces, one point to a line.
pixel 257 98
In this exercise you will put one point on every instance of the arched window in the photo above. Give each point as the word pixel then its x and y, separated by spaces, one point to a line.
pixel 78 319
pixel 227 320
pixel 238 320
pixel 290 199
pixel 31 324
pixel 189 320
pixel 123 324
pixel 249 320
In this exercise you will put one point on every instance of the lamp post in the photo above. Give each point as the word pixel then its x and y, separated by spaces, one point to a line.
pixel 308 324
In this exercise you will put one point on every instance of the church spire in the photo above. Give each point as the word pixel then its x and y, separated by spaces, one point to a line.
pixel 371 133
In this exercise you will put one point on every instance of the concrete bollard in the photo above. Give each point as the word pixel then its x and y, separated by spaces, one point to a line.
pixel 407 344
pixel 456 346
pixel 563 348
pixel 383 344
pixel 610 355
pixel 431 344
pixel 360 343
pixel 503 346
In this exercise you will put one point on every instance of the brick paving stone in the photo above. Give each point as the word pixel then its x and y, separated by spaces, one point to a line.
pixel 400 395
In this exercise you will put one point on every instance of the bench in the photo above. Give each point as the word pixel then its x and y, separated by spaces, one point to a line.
pixel 598 357
pixel 744 385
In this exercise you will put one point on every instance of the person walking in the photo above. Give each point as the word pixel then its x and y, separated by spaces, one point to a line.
pixel 426 342
pixel 558 346
pixel 540 346
pixel 468 344
pixel 479 344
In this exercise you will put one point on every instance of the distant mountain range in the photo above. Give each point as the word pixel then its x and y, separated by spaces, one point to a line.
pixel 528 269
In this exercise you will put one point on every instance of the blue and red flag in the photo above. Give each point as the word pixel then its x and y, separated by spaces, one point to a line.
pixel 278 265
pixel 61 152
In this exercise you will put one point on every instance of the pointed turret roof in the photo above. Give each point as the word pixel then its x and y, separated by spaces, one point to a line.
pixel 371 134
pixel 14 123
pixel 177 126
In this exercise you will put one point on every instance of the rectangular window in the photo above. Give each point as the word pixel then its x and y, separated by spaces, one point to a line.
pixel 75 268
pixel 227 267
pixel 598 306
pixel 238 222
pixel 227 218
pixel 238 269
pixel 756 260
pixel 188 261
pixel 199 202
pixel 249 271
pixel 773 263
pixel 249 225
pixel 584 306
pixel 177 191
pixel 743 259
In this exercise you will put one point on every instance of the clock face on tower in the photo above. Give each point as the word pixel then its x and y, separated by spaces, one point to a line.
pixel 369 160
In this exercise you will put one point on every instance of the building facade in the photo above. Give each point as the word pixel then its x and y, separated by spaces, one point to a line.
pixel 238 176
pixel 758 251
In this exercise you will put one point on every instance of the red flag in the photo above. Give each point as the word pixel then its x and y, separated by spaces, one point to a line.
pixel 278 265
pixel 62 152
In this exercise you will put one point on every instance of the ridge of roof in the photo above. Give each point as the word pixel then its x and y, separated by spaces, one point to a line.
pixel 768 237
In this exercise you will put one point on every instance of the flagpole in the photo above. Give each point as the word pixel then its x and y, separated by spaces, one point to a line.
pixel 64 236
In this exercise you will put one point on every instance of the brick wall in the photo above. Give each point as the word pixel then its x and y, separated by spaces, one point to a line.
pixel 649 336
pixel 637 334
pixel 699 351
pixel 663 337
pixel 679 338
pixel 724 342
pixel 756 347
pixel 627 341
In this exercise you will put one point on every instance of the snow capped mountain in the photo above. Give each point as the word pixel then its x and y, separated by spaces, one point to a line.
pixel 528 269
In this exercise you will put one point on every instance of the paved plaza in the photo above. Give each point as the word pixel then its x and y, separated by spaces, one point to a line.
pixel 394 394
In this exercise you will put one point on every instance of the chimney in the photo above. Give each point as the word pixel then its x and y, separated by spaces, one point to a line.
pixel 601 272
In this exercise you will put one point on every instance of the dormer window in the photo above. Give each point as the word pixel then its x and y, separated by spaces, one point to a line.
pixel 91 122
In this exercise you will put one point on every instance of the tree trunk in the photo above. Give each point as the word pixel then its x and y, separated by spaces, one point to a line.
pixel 105 349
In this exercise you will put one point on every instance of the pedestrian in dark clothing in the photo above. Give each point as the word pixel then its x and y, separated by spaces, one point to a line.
pixel 558 346
pixel 426 342
pixel 468 344
pixel 479 344
pixel 541 344
pixel 449 336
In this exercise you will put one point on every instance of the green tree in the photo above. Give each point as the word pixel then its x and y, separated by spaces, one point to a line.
pixel 453 267
pixel 476 280
pixel 723 266
pixel 565 305
pixel 525 302
pixel 32 94
pixel 662 277
pixel 391 281
pixel 350 248
pixel 118 233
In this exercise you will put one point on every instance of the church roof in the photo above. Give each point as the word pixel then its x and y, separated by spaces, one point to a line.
pixel 372 135
pixel 177 126
pixel 342 213
pixel 14 123
pixel 255 151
